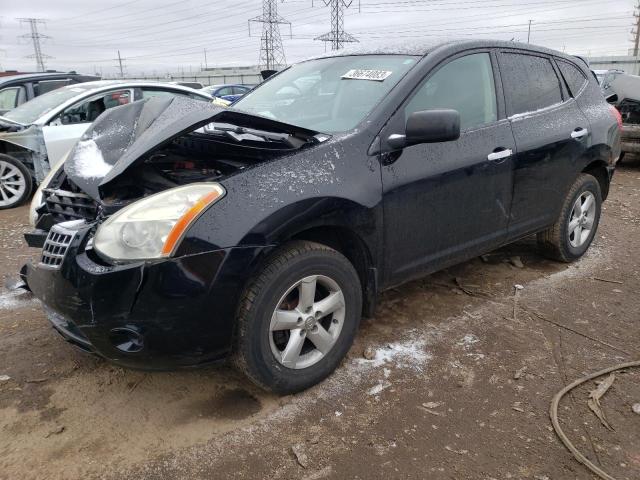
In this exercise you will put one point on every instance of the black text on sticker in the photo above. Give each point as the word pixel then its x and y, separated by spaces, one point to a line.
pixel 359 74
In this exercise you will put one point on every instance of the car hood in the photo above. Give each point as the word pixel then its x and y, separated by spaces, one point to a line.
pixel 123 135
pixel 7 125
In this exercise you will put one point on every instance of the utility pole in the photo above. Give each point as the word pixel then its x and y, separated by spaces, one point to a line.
pixel 636 32
pixel 120 65
pixel 271 50
pixel 206 67
pixel 337 36
pixel 529 33
pixel 35 37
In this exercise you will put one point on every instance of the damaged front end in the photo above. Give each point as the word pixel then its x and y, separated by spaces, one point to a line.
pixel 26 144
pixel 146 147
pixel 147 311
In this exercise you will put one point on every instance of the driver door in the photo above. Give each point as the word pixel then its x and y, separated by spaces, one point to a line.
pixel 449 201
pixel 62 133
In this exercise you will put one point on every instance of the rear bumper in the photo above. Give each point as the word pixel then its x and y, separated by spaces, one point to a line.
pixel 176 312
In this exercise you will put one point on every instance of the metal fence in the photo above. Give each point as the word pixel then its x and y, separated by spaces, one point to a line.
pixel 237 79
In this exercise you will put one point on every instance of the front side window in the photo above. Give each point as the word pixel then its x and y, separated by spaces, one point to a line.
pixel 464 84
pixel 530 82
pixel 88 110
pixel 328 94
pixel 32 110
pixel 573 76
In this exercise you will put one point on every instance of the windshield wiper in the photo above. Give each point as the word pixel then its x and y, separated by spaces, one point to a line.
pixel 277 137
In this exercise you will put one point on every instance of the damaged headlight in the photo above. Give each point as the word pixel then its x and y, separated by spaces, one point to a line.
pixel 154 226
pixel 37 200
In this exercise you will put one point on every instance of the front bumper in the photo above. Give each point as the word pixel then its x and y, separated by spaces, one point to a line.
pixel 169 313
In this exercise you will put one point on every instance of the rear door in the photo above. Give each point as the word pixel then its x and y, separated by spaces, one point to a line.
pixel 551 134
pixel 448 201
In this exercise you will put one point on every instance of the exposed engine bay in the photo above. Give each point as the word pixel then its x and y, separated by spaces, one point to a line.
pixel 208 154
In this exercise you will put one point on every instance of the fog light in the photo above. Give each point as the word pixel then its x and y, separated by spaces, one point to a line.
pixel 126 340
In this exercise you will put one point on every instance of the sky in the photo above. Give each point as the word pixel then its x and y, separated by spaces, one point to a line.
pixel 159 36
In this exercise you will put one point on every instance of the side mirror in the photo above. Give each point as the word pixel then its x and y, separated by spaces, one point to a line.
pixel 428 126
pixel 613 98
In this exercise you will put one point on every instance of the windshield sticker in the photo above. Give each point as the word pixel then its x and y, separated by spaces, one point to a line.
pixel 359 74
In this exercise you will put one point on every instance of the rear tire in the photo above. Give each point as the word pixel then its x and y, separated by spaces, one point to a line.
pixel 570 237
pixel 15 182
pixel 298 317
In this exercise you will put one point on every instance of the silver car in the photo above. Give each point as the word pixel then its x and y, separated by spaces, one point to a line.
pixel 36 136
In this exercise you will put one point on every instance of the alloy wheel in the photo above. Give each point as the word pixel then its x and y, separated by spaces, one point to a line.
pixel 307 322
pixel 582 219
pixel 12 184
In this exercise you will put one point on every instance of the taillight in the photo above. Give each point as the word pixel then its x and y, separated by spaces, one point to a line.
pixel 617 114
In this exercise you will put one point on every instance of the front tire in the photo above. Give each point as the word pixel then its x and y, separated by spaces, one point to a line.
pixel 298 317
pixel 570 237
pixel 15 182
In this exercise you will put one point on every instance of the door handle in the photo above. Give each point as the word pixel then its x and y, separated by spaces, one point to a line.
pixel 499 154
pixel 579 133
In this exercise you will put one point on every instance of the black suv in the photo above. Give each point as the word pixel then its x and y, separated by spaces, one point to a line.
pixel 18 89
pixel 266 230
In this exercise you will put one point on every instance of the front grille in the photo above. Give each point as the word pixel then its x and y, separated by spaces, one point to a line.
pixel 64 205
pixel 56 246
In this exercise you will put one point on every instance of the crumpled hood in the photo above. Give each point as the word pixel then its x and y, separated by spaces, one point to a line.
pixel 122 135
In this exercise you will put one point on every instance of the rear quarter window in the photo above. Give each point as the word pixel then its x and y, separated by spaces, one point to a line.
pixel 530 82
pixel 573 76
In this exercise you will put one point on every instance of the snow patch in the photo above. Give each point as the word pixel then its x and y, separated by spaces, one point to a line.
pixel 410 354
pixel 15 299
pixel 376 389
pixel 88 161
pixel 468 340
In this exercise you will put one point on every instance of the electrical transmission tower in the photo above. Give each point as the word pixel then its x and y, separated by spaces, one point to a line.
pixel 271 50
pixel 35 37
pixel 636 32
pixel 337 36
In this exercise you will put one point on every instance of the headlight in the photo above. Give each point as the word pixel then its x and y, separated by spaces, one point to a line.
pixel 154 226
pixel 36 200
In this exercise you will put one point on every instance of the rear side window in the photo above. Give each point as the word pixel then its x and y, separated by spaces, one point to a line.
pixel 464 84
pixel 573 76
pixel 530 82
pixel 11 97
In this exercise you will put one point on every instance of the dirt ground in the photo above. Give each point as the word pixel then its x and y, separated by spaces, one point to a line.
pixel 460 385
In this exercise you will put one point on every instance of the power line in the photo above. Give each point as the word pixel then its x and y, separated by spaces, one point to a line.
pixel 271 49
pixel 35 37
pixel 337 36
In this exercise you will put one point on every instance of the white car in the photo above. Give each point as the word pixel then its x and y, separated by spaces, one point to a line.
pixel 35 136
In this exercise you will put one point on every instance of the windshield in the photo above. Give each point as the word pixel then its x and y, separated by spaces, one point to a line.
pixel 31 111
pixel 329 94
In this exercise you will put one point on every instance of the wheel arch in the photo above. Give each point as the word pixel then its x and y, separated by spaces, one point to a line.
pixel 355 249
pixel 344 225
pixel 598 169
